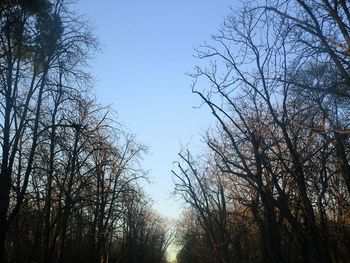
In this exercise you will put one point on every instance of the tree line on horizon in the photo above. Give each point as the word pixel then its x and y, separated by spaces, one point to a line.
pixel 69 173
pixel 273 184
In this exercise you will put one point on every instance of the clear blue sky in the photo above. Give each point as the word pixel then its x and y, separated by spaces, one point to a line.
pixel 147 49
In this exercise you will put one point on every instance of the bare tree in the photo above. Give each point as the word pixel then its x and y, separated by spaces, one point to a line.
pixel 279 122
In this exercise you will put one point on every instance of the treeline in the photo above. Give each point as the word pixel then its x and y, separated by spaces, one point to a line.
pixel 274 183
pixel 69 173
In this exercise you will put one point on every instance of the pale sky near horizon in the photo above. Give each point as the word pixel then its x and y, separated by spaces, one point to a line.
pixel 147 47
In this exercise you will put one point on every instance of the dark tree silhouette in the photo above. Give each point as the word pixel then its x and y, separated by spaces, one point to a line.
pixel 277 85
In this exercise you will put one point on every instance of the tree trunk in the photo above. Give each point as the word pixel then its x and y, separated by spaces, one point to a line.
pixel 4 204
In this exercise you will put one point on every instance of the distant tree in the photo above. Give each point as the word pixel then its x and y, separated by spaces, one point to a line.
pixel 145 235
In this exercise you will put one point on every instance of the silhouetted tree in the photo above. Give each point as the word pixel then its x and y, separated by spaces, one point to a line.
pixel 278 86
